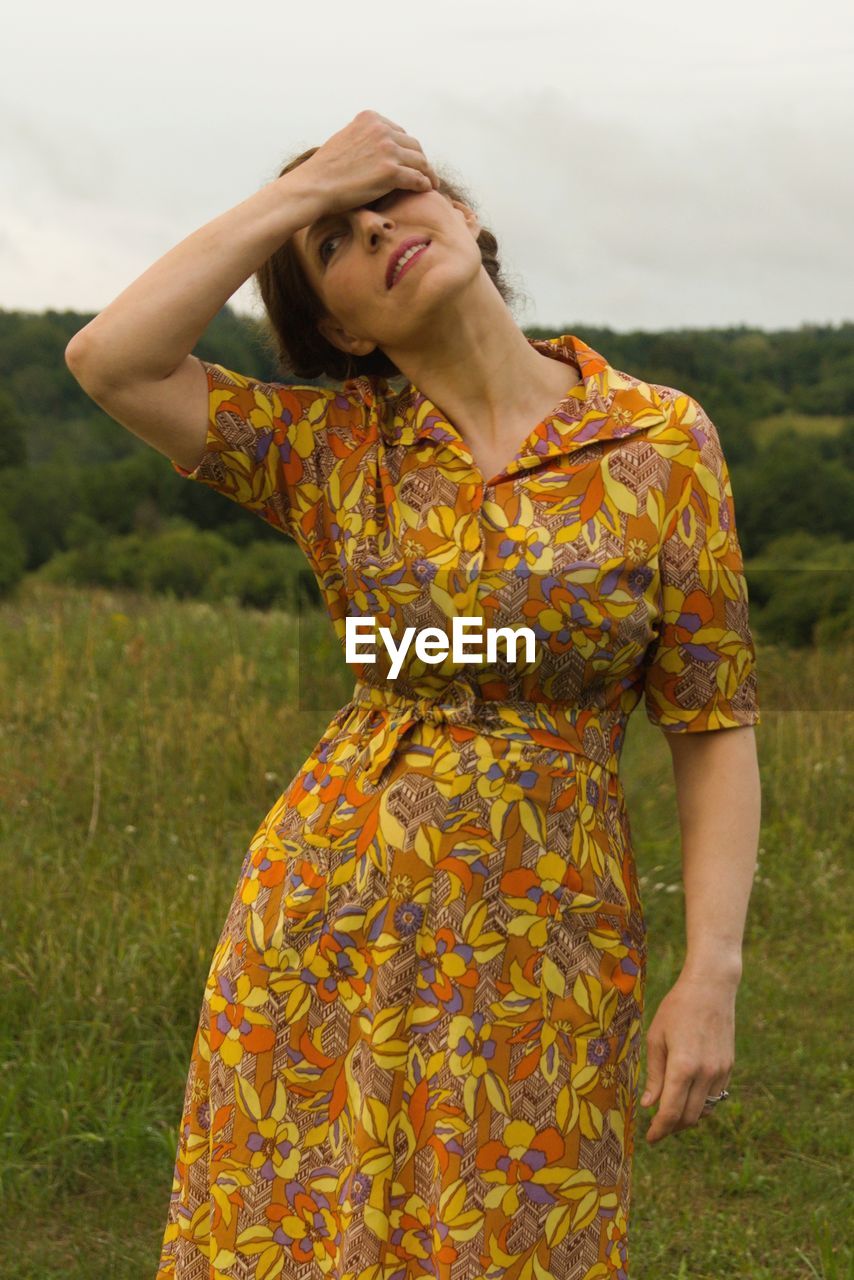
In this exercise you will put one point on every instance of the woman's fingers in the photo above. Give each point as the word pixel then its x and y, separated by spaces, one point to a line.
pixel 413 156
pixel 683 1100
pixel 656 1062
pixel 700 1089
pixel 416 158
pixel 672 1105
pixel 413 170
pixel 393 123
pixel 712 1089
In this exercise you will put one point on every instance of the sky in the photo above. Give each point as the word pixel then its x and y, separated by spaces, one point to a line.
pixel 644 167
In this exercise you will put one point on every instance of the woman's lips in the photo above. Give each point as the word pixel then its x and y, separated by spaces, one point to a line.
pixel 408 264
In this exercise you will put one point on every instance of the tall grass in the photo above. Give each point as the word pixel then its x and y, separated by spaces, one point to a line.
pixel 141 742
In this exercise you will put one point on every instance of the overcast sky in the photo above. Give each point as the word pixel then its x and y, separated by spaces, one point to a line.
pixel 643 166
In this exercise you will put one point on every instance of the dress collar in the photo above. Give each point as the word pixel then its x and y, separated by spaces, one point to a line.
pixel 605 405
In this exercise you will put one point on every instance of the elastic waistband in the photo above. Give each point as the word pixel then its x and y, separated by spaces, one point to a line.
pixel 551 726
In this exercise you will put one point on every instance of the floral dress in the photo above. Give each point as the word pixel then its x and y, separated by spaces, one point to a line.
pixel 419 1043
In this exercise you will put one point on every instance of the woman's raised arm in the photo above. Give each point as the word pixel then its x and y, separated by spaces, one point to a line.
pixel 134 359
pixel 148 331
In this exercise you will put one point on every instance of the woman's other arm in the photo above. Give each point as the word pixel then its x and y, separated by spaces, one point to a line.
pixel 719 801
pixel 691 1038
pixel 134 358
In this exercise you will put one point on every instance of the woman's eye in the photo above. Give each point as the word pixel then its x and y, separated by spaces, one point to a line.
pixel 323 254
pixel 374 204
pixel 388 198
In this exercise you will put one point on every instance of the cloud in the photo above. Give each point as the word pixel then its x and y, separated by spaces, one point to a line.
pixel 641 166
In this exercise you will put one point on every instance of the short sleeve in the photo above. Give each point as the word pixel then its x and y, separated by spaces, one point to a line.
pixel 270 446
pixel 700 670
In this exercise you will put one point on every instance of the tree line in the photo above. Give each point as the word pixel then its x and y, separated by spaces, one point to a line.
pixel 84 500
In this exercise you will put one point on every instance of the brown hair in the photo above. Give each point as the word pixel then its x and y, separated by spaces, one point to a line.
pixel 293 308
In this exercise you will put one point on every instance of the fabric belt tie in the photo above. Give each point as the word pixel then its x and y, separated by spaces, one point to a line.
pixel 563 730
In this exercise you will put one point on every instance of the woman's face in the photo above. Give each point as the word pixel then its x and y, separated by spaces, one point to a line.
pixel 346 258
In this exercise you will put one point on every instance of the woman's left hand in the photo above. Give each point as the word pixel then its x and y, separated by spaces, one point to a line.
pixel 690 1051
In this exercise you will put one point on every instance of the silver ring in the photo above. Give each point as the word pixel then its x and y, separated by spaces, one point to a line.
pixel 724 1093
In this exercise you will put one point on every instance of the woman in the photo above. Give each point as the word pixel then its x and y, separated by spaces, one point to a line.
pixel 418 1051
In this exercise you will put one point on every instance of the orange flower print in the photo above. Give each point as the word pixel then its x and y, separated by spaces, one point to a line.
pixel 512 1164
pixel 236 1027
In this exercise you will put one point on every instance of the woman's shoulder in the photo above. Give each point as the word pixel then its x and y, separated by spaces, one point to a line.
pixel 675 402
pixel 683 416
pixel 687 441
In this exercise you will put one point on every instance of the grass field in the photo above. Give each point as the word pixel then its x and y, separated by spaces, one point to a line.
pixel 142 741
pixel 808 424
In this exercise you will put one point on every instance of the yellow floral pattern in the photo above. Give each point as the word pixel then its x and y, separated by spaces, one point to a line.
pixel 419 1044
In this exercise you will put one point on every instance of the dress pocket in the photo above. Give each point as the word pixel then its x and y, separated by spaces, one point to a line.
pixel 592 970
pixel 591 975
pixel 605 843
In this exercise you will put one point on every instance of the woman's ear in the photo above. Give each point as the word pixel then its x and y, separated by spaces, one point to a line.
pixel 335 334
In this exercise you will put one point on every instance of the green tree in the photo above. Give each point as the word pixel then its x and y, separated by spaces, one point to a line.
pixel 13 447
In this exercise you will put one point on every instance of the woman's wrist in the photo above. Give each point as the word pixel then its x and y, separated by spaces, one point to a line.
pixel 296 200
pixel 723 968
